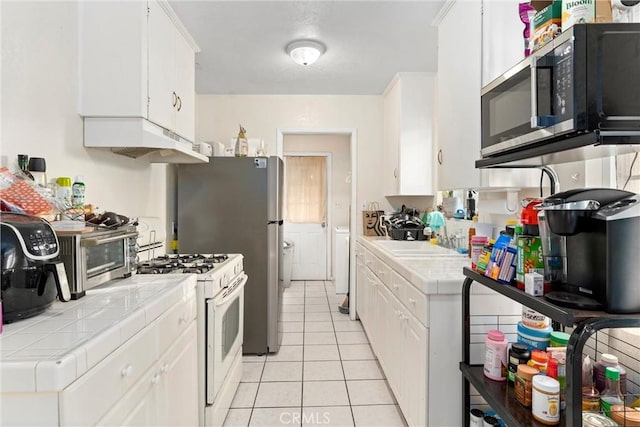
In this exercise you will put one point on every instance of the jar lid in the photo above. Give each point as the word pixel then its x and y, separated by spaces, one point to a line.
pixel 495 335
pixel 64 181
pixel 526 371
pixel 37 164
pixel 539 356
pixel 593 419
pixel 608 359
pixel 545 383
pixel 612 373
pixel 560 338
pixel 518 347
pixel 624 415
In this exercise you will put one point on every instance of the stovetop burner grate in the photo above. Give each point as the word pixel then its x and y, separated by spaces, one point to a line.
pixel 182 263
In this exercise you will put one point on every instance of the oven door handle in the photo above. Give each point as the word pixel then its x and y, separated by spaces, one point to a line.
pixel 96 242
pixel 229 298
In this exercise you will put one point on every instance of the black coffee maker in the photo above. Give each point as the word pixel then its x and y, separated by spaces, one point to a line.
pixel 32 276
pixel 600 231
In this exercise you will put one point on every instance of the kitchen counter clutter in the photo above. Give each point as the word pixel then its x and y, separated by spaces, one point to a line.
pixel 94 360
pixel 410 304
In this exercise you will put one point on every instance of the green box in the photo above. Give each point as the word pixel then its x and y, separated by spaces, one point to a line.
pixel 529 258
pixel 546 24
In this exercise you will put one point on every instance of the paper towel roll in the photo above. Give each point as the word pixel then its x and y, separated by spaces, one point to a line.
pixel 625 10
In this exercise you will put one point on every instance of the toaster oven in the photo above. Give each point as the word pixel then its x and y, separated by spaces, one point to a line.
pixel 91 259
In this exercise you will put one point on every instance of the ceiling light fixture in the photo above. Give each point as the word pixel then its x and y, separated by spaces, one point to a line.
pixel 305 52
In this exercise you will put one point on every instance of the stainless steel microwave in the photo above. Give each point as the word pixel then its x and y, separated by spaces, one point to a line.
pixel 585 81
pixel 91 259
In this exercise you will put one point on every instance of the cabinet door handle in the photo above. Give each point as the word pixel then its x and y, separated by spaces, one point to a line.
pixel 439 157
pixel 412 301
pixel 165 368
pixel 395 172
pixel 174 97
pixel 179 103
pixel 155 379
pixel 127 371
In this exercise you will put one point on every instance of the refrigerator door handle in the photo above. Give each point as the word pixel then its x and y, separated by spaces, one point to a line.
pixel 276 222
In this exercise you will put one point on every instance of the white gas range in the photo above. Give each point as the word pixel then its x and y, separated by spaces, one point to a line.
pixel 220 291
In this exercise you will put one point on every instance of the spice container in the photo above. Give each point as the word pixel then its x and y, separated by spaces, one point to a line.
pixel 558 339
pixel 495 361
pixel 477 245
pixel 475 417
pixel 539 360
pixel 545 400
pixel 523 384
pixel 518 355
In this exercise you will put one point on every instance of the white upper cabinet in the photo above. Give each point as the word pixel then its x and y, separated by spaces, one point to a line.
pixel 137 60
pixel 502 37
pixel 458 97
pixel 492 44
pixel 408 134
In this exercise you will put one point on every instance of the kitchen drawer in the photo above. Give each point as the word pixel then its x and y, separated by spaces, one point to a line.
pixel 383 271
pixel 173 323
pixel 359 249
pixel 416 303
pixel 370 260
pixel 87 399
pixel 398 285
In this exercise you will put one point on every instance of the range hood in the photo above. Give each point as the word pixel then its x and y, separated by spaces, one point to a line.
pixel 139 138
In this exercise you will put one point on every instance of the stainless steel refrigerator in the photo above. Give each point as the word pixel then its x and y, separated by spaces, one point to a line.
pixel 234 205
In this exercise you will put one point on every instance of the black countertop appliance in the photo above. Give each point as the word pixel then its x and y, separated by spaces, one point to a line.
pixel 32 275
pixel 601 230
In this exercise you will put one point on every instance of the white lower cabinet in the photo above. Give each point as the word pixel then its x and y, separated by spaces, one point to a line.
pixel 152 379
pixel 166 394
pixel 398 339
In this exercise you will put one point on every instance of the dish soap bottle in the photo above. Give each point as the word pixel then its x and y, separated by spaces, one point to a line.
pixel 242 146
pixel 77 192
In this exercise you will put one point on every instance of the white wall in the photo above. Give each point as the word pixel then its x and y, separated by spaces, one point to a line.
pixel 218 116
pixel 40 111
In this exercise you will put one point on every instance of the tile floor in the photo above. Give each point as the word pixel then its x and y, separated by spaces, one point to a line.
pixel 324 374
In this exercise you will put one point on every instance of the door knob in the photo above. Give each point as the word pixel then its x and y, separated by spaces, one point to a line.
pixel 324 224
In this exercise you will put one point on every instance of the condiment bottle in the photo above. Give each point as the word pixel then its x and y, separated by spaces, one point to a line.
pixel 23 163
pixel 608 360
pixel 611 395
pixel 38 168
pixel 63 191
pixel 495 362
pixel 590 396
pixel 77 190
pixel 522 385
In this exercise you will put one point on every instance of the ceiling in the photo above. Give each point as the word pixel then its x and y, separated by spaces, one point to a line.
pixel 367 41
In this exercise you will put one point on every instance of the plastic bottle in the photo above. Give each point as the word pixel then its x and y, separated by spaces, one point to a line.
pixel 545 400
pixel 77 190
pixel 495 362
pixel 63 191
pixel 23 163
pixel 608 360
pixel 242 145
pixel 611 395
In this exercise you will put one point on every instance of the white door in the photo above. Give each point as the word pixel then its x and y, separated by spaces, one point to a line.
pixel 305 214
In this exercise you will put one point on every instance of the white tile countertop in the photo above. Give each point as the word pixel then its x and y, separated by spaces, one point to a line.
pixel 431 268
pixel 48 352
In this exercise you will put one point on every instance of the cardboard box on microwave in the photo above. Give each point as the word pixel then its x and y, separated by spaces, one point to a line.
pixel 585 11
pixel 546 24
